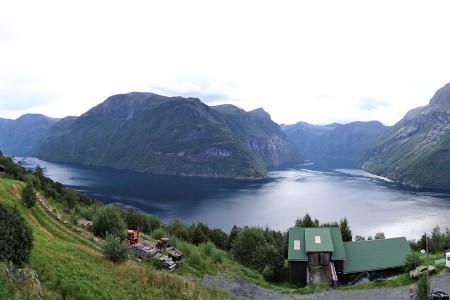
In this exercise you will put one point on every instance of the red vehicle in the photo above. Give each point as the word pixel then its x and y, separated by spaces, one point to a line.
pixel 131 238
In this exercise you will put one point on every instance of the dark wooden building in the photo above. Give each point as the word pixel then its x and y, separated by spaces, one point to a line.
pixel 319 255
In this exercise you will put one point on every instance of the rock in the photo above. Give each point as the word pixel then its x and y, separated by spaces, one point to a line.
pixel 28 279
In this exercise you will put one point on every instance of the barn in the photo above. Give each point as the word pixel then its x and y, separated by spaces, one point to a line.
pixel 319 255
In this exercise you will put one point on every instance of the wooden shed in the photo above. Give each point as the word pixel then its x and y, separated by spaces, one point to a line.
pixel 2 171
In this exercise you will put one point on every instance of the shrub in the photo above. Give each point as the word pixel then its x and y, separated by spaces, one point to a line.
pixel 108 220
pixel 116 249
pixel 16 236
pixel 412 260
pixel 29 196
pixel 159 233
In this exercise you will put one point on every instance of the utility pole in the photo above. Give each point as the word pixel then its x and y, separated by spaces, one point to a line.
pixel 426 251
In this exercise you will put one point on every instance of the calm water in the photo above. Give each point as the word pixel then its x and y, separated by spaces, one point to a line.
pixel 370 203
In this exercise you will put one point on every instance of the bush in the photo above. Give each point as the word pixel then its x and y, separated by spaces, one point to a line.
pixel 412 260
pixel 109 221
pixel 16 236
pixel 116 249
pixel 29 196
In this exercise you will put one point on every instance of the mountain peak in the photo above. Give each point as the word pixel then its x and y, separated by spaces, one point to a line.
pixel 441 96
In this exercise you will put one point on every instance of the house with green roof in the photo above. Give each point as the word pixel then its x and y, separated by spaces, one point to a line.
pixel 319 255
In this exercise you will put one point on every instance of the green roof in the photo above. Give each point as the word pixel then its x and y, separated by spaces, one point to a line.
pixel 297 250
pixel 303 240
pixel 363 256
pixel 318 239
pixel 339 250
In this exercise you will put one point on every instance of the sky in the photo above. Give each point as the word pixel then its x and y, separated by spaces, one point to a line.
pixel 314 61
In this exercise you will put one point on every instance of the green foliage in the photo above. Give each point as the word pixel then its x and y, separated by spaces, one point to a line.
pixel 306 221
pixel 15 235
pixel 438 241
pixel 29 196
pixel 159 233
pixel 199 233
pixel 259 249
pixel 421 292
pixel 135 218
pixel 412 260
pixel 116 249
pixel 379 236
pixel 345 230
pixel 109 221
pixel 12 170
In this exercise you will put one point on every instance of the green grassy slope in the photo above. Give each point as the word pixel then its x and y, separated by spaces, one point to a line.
pixel 70 264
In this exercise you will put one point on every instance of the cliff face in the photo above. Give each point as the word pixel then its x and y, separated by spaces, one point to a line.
pixel 21 136
pixel 416 151
pixel 335 145
pixel 175 136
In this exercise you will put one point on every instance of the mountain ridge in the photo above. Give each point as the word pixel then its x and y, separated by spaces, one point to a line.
pixel 172 136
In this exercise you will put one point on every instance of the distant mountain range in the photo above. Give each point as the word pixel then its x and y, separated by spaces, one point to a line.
pixel 335 145
pixel 183 136
pixel 22 136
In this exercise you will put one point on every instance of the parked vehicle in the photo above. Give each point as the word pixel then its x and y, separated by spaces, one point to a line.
pixel 414 274
pixel 439 295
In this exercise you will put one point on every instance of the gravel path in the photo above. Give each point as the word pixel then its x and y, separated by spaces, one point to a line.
pixel 241 288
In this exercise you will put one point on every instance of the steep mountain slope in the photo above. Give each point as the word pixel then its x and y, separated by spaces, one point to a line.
pixel 259 134
pixel 335 145
pixel 416 151
pixel 162 135
pixel 21 136
pixel 305 136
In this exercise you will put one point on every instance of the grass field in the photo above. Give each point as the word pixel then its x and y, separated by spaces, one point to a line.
pixel 70 265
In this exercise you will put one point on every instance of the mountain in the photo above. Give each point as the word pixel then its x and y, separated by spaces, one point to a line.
pixel 171 135
pixel 416 150
pixel 21 136
pixel 335 145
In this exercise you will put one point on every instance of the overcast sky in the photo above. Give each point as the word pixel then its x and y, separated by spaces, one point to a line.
pixel 313 61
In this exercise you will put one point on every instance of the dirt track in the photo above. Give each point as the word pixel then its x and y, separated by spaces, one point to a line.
pixel 241 288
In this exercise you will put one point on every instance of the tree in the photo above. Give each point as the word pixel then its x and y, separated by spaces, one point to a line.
pixel 108 220
pixel 29 195
pixel 306 221
pixel 412 260
pixel 379 236
pixel 116 249
pixel 254 248
pixel 422 289
pixel 345 230
pixel 360 238
pixel 16 236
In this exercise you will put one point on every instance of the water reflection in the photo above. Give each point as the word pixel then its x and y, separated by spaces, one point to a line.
pixel 370 203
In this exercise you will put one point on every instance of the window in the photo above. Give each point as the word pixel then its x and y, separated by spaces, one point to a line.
pixel 296 244
pixel 317 239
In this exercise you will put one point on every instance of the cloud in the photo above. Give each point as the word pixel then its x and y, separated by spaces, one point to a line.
pixel 207 89
pixel 369 103
pixel 19 93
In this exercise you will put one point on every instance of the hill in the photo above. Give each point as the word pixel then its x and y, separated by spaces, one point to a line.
pixel 415 151
pixel 171 135
pixel 21 136
pixel 335 145
pixel 70 264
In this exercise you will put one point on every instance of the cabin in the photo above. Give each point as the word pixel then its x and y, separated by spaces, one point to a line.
pixel 319 255
pixel 2 171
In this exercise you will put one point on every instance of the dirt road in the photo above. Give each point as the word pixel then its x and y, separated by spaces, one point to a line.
pixel 243 289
